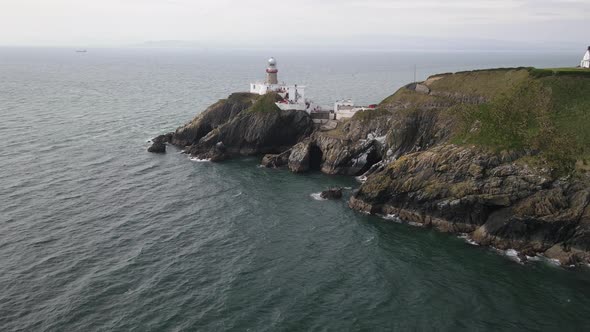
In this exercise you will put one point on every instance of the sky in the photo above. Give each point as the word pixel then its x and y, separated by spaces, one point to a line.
pixel 243 23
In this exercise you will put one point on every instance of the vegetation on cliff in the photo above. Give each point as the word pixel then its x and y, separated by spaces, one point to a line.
pixel 485 153
pixel 550 115
pixel 265 104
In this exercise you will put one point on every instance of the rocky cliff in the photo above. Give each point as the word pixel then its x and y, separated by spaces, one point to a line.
pixel 500 155
pixel 243 124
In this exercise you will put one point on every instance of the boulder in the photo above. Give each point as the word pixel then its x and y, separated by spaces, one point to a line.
pixel 276 160
pixel 157 147
pixel 299 157
pixel 332 193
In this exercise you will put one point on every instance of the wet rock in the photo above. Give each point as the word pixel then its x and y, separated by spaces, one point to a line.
pixel 332 193
pixel 500 202
pixel 276 160
pixel 242 125
pixel 299 157
pixel 157 147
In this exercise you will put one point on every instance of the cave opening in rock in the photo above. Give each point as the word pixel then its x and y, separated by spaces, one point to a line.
pixel 315 158
pixel 373 157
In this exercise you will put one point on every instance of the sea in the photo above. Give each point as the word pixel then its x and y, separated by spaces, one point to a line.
pixel 96 234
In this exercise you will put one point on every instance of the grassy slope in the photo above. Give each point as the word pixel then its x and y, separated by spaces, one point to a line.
pixel 526 108
pixel 265 104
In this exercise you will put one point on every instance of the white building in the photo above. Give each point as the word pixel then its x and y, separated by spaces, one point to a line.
pixel 293 95
pixel 586 60
pixel 345 109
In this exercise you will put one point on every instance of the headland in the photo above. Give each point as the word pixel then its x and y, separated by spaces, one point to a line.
pixel 500 155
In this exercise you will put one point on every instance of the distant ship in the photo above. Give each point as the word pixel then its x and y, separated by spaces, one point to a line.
pixel 81 51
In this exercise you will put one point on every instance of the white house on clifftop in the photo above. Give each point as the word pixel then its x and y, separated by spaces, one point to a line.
pixel 586 60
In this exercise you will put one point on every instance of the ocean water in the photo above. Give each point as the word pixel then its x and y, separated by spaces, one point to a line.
pixel 96 234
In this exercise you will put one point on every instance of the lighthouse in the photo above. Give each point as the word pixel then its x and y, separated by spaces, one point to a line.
pixel 292 96
pixel 271 72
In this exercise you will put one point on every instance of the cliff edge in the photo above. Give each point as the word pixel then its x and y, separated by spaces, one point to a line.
pixel 501 155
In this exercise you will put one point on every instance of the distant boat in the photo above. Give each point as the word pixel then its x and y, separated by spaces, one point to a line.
pixel 81 51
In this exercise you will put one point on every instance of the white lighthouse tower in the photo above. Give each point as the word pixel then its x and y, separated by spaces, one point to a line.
pixel 586 60
pixel 271 72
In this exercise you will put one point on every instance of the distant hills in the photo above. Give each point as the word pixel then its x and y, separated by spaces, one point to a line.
pixel 378 43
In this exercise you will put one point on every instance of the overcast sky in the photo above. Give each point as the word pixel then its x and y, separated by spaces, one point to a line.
pixel 243 22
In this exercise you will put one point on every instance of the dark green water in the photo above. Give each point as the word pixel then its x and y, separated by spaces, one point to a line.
pixel 98 235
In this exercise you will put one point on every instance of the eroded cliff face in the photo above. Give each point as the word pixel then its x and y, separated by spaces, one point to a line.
pixel 507 198
pixel 213 117
pixel 495 198
pixel 242 125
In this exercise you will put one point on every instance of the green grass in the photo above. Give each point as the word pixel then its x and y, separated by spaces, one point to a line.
pixel 482 83
pixel 406 96
pixel 547 72
pixel 545 110
pixel 370 114
pixel 550 114
pixel 265 104
pixel 242 97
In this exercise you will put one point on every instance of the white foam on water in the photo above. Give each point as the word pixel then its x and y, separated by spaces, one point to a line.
pixel 347 188
pixel 195 159
pixel 550 261
pixel 533 258
pixel 238 194
pixel 318 197
pixel 392 217
pixel 513 255
pixel 468 239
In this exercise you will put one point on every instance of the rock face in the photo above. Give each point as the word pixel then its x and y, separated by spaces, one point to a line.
pixel 242 125
pixel 213 117
pixel 494 198
pixel 157 147
pixel 159 144
pixel 251 133
pixel 497 197
pixel 276 160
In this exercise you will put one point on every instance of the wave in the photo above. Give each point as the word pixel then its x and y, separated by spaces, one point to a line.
pixel 468 239
pixel 318 197
pixel 198 160
pixel 396 219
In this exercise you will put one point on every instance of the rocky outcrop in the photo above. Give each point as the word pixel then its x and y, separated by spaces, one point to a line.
pixel 496 198
pixel 254 133
pixel 299 158
pixel 213 117
pixel 243 124
pixel 332 193
pixel 157 147
pixel 276 160
pixel 415 155
pixel 159 143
